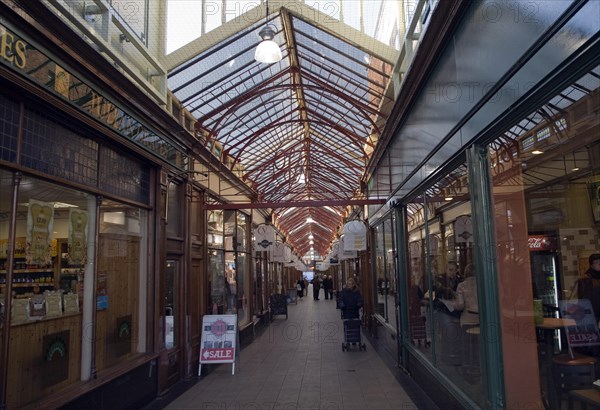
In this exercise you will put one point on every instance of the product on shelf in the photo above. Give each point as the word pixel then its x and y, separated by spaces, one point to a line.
pixel 20 311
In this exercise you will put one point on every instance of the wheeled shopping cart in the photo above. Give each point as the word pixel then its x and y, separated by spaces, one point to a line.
pixel 352 334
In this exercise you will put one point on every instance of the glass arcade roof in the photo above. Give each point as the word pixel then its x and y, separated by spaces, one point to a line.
pixel 301 129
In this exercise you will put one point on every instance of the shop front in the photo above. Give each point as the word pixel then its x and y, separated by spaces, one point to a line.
pixel 542 232
pixel 232 282
pixel 497 225
pixel 73 265
pixel 77 237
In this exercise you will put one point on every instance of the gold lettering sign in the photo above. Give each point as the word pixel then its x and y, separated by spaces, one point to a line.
pixel 62 80
pixel 13 50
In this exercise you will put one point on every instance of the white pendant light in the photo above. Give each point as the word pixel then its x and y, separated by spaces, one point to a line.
pixel 268 51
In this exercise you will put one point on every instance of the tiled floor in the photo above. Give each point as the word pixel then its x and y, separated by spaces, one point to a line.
pixel 298 363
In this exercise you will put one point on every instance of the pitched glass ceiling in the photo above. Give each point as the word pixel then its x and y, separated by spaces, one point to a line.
pixel 300 129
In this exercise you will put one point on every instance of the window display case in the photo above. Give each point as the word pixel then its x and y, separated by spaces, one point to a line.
pixel 26 276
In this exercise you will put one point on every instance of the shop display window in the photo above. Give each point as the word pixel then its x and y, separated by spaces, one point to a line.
pixel 545 171
pixel 52 244
pixel 174 211
pixel 443 304
pixel 121 283
pixel 73 261
pixel 229 263
pixel 385 271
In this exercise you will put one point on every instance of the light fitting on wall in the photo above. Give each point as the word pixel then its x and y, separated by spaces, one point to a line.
pixel 268 51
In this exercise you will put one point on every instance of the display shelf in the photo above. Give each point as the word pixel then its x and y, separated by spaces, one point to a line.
pixel 26 277
pixel 37 270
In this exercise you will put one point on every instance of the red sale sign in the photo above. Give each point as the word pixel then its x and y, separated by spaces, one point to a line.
pixel 218 355
pixel 218 344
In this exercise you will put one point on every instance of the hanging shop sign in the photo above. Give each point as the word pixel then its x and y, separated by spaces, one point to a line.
pixel 355 236
pixel 278 254
pixel 463 229
pixel 219 340
pixel 334 255
pixel 264 237
pixel 346 253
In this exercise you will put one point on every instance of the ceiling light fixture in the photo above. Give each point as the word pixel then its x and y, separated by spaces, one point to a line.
pixel 268 51
pixel 575 167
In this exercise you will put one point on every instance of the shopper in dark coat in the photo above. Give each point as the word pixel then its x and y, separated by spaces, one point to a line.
pixel 316 287
pixel 328 287
pixel 300 287
pixel 351 300
pixel 588 286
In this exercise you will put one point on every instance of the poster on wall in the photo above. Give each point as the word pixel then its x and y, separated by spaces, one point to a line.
pixel 77 236
pixel 55 358
pixel 40 220
pixel 219 340
pixel 123 333
pixel 101 291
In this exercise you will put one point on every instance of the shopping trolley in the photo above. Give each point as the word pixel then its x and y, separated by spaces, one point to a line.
pixel 352 333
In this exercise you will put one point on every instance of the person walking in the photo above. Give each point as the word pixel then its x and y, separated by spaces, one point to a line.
pixel 328 287
pixel 300 287
pixel 331 283
pixel 588 286
pixel 351 300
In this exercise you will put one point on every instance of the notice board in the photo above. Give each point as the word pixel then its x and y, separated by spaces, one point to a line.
pixel 219 340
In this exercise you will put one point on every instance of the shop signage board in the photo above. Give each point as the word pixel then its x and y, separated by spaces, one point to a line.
pixel 219 340
pixel 585 332
pixel 264 237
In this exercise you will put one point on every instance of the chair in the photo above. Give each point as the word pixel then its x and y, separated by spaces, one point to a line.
pixel 572 373
pixel 574 370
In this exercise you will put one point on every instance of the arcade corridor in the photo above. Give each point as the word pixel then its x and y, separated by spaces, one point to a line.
pixel 298 363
